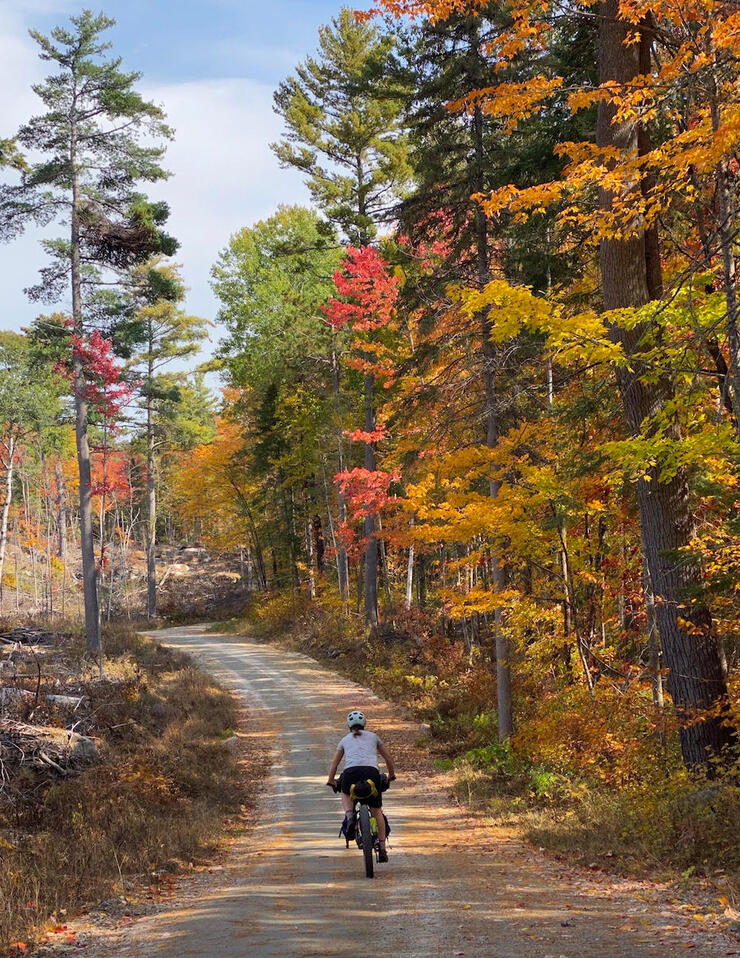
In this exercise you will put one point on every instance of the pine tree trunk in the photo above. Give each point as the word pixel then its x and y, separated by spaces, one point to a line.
pixel 695 678
pixel 89 567
pixel 151 499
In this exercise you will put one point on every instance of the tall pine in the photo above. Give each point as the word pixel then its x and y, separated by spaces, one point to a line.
pixel 96 140
pixel 343 132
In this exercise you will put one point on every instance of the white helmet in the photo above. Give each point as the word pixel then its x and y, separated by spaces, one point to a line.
pixel 355 718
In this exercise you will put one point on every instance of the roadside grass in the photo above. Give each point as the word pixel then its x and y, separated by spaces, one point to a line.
pixel 660 822
pixel 156 798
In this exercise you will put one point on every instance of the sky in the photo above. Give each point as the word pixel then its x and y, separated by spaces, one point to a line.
pixel 213 65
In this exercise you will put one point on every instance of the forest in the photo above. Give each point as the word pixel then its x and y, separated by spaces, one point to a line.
pixel 473 419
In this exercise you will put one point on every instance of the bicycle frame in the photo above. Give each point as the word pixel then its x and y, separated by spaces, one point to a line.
pixel 366 829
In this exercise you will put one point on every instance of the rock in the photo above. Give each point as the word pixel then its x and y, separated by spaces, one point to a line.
pixel 231 744
pixel 81 748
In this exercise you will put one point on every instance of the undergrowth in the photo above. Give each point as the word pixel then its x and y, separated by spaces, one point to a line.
pixel 157 797
pixel 596 779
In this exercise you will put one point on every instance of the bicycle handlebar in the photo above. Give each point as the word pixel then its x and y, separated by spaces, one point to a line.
pixel 336 787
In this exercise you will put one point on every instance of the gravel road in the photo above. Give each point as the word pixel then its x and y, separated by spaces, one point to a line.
pixel 450 888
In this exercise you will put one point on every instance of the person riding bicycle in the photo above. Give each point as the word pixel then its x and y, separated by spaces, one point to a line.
pixel 360 749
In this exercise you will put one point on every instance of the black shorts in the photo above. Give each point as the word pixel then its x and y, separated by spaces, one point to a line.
pixel 360 773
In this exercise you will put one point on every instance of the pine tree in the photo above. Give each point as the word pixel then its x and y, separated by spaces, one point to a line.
pixel 91 158
pixel 343 132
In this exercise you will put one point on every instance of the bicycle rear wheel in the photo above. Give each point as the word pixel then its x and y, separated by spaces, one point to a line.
pixel 367 841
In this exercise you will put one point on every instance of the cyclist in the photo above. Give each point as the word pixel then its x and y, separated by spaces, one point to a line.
pixel 360 749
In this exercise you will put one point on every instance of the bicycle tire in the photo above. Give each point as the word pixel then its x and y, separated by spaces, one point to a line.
pixel 367 841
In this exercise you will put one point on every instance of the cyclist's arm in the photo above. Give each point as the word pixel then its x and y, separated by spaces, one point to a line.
pixel 388 760
pixel 335 765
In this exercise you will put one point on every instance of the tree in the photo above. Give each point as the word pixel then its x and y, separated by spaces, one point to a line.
pixel 368 294
pixel 342 132
pixel 166 334
pixel 631 277
pixel 283 356
pixel 91 157
pixel 28 403
pixel 344 135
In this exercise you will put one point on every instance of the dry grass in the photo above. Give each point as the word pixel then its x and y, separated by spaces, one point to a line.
pixel 157 797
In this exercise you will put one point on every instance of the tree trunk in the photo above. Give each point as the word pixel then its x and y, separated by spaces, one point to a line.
pixel 6 508
pixel 310 558
pixel 410 579
pixel 89 566
pixel 342 560
pixel 695 679
pixel 61 513
pixel 319 545
pixel 371 549
pixel 503 650
pixel 729 282
pixel 151 496
pixel 653 640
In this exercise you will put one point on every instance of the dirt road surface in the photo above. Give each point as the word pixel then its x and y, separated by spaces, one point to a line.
pixel 451 888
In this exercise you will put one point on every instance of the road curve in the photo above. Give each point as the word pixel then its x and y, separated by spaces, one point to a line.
pixel 447 890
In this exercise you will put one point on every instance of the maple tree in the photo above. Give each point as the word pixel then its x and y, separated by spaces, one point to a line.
pixel 368 294
pixel 633 170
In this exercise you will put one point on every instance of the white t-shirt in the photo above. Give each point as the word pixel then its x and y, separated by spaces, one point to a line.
pixel 360 749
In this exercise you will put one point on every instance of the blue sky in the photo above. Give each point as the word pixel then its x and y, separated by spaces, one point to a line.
pixel 213 65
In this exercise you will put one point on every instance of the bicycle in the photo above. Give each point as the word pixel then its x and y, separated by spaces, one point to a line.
pixel 361 822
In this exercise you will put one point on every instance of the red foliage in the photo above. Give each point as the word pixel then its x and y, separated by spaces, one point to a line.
pixel 366 490
pixel 104 387
pixel 368 290
pixel 359 435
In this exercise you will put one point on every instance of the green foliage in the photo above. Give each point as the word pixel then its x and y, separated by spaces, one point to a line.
pixel 29 392
pixel 95 141
pixel 343 131
pixel 10 156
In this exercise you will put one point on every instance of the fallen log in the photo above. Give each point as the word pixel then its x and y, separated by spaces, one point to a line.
pixel 45 747
pixel 13 696
pixel 23 635
pixel 65 701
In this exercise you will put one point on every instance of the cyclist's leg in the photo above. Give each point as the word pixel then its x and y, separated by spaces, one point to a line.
pixel 377 814
pixel 347 803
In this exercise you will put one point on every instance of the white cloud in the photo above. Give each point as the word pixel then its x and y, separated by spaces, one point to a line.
pixel 21 259
pixel 224 175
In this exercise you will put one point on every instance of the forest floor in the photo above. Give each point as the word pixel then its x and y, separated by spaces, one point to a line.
pixel 454 886
pixel 107 784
